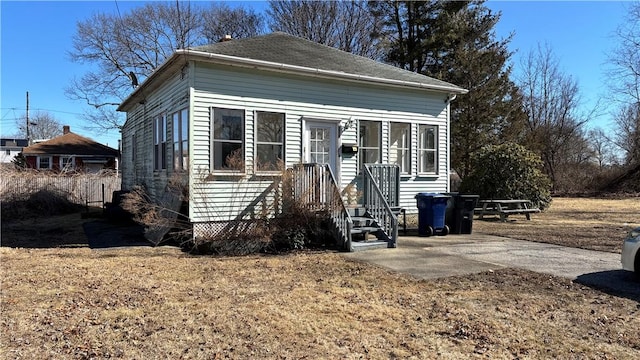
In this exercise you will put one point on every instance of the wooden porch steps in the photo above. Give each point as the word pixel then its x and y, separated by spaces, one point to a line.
pixel 363 226
pixel 368 245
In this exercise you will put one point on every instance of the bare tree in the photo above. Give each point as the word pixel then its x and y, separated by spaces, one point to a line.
pixel 624 59
pixel 627 132
pixel 42 126
pixel 127 48
pixel 603 147
pixel 551 101
pixel 220 20
pixel 624 81
pixel 346 25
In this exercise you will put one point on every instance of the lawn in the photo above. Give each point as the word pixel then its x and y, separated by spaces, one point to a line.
pixel 587 223
pixel 69 301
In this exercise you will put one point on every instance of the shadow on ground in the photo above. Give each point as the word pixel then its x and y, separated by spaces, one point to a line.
pixel 102 234
pixel 614 282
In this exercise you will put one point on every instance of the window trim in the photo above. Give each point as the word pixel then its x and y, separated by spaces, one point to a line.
pixel 133 147
pixel 50 158
pixel 362 147
pixel 73 162
pixel 243 142
pixel 160 130
pixel 407 146
pixel 435 150
pixel 256 142
pixel 179 139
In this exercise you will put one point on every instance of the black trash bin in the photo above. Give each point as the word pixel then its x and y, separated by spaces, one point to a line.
pixel 431 214
pixel 459 213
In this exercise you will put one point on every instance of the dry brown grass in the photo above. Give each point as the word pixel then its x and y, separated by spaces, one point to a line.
pixel 139 303
pixel 595 224
pixel 45 232
pixel 160 303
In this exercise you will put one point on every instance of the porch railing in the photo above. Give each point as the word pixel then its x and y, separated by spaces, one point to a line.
pixel 382 188
pixel 315 188
pixel 387 177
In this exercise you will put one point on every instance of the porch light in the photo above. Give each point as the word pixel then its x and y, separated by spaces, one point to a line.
pixel 348 125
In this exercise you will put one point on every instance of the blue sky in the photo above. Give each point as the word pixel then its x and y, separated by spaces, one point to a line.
pixel 37 36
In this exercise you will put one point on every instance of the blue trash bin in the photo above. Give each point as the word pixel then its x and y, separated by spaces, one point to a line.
pixel 432 208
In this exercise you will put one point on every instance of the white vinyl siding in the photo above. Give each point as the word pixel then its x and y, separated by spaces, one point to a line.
pixel 219 197
pixel 137 163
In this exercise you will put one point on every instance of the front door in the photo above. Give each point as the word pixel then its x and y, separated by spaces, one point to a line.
pixel 321 144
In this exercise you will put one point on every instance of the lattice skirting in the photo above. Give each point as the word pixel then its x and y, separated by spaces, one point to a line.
pixel 213 229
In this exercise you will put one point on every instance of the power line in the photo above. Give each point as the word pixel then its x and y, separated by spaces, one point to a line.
pixel 40 109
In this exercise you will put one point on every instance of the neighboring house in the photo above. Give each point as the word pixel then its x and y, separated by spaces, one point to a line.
pixel 9 148
pixel 70 152
pixel 221 116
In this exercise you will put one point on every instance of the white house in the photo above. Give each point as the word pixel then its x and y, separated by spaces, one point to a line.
pixel 223 115
pixel 9 148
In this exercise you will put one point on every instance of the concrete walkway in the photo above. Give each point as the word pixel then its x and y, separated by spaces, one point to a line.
pixel 434 257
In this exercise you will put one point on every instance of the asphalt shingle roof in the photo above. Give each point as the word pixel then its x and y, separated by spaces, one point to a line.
pixel 70 144
pixel 284 52
pixel 287 49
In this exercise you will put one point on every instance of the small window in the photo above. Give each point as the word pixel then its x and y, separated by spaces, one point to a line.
pixel 160 142
pixel 7 152
pixel 369 142
pixel 44 162
pixel 133 147
pixel 400 146
pixel 228 139
pixel 67 162
pixel 427 149
pixel 181 140
pixel 269 140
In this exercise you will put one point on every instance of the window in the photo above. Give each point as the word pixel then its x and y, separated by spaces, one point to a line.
pixel 399 146
pixel 133 147
pixel 67 162
pixel 269 140
pixel 228 139
pixel 427 148
pixel 181 140
pixel 320 144
pixel 369 142
pixel 44 162
pixel 160 142
pixel 7 152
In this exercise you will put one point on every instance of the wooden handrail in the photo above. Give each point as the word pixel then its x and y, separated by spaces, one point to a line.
pixel 387 177
pixel 315 188
pixel 376 203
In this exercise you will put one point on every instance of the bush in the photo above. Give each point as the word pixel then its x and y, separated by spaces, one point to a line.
pixel 286 239
pixel 41 203
pixel 508 171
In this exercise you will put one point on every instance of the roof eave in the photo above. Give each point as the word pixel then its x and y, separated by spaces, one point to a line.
pixel 147 85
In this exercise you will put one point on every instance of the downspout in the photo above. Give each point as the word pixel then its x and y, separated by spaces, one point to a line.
pixel 448 100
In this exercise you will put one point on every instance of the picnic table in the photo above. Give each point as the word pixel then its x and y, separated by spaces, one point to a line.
pixel 504 208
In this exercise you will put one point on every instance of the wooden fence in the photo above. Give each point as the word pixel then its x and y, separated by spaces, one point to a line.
pixel 84 189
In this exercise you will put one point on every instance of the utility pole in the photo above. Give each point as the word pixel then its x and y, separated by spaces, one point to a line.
pixel 28 135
